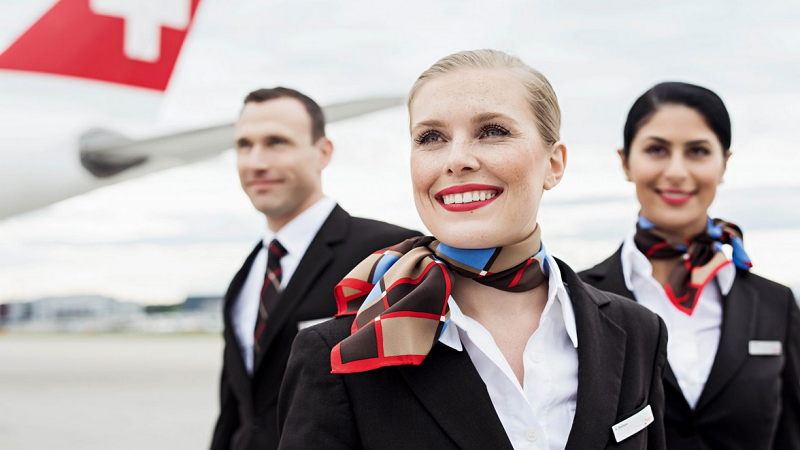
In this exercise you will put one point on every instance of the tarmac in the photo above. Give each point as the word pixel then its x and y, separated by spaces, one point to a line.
pixel 93 392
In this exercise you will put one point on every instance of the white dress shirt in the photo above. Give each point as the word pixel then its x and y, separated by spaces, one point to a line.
pixel 295 237
pixel 539 414
pixel 693 340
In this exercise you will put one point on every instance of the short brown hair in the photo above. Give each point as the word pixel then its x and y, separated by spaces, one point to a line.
pixel 313 109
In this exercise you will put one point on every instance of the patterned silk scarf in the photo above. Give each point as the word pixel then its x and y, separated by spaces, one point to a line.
pixel 702 258
pixel 399 296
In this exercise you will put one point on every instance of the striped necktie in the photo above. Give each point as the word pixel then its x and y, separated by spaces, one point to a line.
pixel 270 291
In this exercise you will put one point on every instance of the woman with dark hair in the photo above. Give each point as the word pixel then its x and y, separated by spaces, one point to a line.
pixel 477 338
pixel 734 337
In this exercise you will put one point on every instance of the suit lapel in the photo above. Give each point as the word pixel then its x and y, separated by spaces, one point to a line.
pixel 238 369
pixel 738 324
pixel 601 350
pixel 317 257
pixel 460 403
pixel 607 276
pixel 601 360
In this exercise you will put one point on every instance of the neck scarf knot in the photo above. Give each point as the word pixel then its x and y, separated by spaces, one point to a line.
pixel 399 296
pixel 702 258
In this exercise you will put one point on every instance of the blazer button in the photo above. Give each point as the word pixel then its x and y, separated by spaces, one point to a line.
pixel 257 423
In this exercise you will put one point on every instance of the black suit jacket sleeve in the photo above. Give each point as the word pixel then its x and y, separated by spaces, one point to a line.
pixel 228 420
pixel 301 406
pixel 788 435
pixel 656 435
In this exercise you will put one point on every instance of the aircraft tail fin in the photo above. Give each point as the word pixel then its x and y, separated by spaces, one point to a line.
pixel 129 42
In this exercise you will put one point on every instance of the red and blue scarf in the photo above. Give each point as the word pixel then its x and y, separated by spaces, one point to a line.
pixel 702 258
pixel 399 296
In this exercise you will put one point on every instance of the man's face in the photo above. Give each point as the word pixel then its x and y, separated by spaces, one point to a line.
pixel 279 165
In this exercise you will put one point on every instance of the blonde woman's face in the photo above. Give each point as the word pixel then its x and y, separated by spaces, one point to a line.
pixel 478 163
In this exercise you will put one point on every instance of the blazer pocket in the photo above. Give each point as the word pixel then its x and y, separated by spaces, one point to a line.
pixel 632 412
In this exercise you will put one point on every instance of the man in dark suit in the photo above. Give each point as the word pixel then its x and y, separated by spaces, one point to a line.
pixel 286 283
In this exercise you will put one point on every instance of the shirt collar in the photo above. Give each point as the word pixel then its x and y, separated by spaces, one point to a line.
pixel 449 336
pixel 556 294
pixel 634 262
pixel 297 235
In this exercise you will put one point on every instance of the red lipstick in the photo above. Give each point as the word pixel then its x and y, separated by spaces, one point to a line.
pixel 466 188
pixel 675 196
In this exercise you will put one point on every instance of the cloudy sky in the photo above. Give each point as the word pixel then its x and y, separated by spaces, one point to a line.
pixel 185 231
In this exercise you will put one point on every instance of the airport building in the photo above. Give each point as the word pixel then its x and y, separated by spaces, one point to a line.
pixel 93 313
pixel 73 313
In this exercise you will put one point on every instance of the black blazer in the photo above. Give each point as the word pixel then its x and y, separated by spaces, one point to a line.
pixel 248 405
pixel 749 402
pixel 443 403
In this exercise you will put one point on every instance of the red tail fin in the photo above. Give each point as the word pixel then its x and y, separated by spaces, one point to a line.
pixel 131 42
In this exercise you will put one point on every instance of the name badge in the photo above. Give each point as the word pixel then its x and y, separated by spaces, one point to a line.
pixel 310 323
pixel 765 348
pixel 633 424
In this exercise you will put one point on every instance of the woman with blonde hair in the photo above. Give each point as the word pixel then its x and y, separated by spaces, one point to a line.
pixel 476 337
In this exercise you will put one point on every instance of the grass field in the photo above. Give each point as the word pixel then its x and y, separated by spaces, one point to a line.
pixel 108 391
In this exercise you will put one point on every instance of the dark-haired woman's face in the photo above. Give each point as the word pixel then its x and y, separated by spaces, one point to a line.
pixel 676 162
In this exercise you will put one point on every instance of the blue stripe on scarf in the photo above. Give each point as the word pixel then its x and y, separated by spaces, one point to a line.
pixel 645 224
pixel 740 258
pixel 383 266
pixel 373 294
pixel 475 258
pixel 714 230
pixel 545 263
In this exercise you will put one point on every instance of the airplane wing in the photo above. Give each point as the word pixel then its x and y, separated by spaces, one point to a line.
pixel 105 153
pixel 111 58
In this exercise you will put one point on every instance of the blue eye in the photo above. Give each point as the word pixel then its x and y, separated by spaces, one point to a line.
pixel 493 130
pixel 428 137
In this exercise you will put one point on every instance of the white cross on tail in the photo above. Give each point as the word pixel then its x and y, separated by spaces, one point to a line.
pixel 143 22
